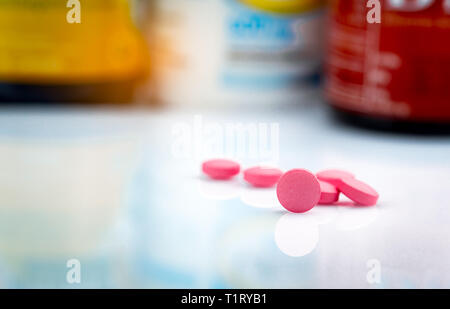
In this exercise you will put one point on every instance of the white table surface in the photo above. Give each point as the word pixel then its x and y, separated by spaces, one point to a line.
pixel 120 191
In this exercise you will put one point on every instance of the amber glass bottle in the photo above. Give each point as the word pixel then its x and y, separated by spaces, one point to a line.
pixel 69 51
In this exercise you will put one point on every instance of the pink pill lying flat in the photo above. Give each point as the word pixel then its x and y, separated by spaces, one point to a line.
pixel 263 177
pixel 333 176
pixel 298 190
pixel 358 191
pixel 220 169
pixel 329 193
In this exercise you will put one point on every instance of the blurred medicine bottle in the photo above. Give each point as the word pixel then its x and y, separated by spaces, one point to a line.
pixel 69 51
pixel 393 75
pixel 225 52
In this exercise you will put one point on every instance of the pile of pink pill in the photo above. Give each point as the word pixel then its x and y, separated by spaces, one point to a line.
pixel 298 190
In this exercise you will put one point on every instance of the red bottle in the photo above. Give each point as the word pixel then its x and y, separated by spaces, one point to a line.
pixel 394 74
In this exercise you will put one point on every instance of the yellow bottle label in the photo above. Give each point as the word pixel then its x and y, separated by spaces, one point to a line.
pixel 39 45
pixel 285 6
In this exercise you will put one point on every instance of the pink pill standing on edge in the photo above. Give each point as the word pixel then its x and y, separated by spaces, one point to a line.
pixel 298 190
pixel 358 191
pixel 329 193
pixel 333 176
pixel 263 177
pixel 221 169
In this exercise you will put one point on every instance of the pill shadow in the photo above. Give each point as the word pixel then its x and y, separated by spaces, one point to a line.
pixel 349 204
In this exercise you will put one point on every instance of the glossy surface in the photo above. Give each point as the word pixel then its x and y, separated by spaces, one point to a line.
pixel 121 191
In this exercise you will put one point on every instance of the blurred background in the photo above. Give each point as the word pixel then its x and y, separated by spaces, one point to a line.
pixel 107 107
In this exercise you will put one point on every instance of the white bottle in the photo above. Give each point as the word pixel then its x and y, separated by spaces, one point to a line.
pixel 236 51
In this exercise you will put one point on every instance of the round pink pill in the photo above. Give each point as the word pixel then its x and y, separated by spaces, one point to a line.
pixel 263 177
pixel 333 176
pixel 329 193
pixel 358 191
pixel 298 190
pixel 221 169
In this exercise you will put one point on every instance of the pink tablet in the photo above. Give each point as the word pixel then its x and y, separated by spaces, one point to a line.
pixel 221 169
pixel 263 177
pixel 298 190
pixel 333 176
pixel 329 193
pixel 358 191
